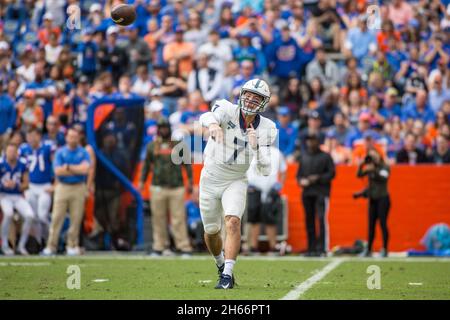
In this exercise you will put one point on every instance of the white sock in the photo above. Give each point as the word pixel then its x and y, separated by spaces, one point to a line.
pixel 220 259
pixel 229 264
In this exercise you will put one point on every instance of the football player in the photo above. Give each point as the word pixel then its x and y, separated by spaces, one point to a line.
pixel 13 182
pixel 238 133
pixel 39 156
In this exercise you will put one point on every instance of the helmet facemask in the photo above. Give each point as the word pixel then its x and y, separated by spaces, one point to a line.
pixel 252 106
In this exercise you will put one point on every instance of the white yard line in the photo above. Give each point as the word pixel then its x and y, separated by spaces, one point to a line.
pixel 306 285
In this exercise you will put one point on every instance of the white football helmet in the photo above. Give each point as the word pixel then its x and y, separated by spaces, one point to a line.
pixel 259 87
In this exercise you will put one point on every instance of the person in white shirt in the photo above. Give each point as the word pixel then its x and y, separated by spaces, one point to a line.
pixel 52 49
pixel 238 133
pixel 206 79
pixel 142 85
pixel 219 53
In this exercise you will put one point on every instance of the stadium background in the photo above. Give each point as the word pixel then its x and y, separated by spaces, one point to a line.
pixel 419 191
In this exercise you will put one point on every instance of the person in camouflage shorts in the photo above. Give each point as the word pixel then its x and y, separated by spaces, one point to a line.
pixel 167 190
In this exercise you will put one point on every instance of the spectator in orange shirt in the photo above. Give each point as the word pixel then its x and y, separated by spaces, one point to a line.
pixel 47 29
pixel 29 113
pixel 387 32
pixel 182 51
pixel 62 107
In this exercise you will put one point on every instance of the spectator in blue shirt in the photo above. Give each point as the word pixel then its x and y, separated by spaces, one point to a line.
pixel 87 55
pixel 176 9
pixel 419 109
pixel 360 38
pixel 390 107
pixel 437 51
pixel 54 134
pixel 328 109
pixel 285 57
pixel 43 87
pixel 71 167
pixel 287 133
pixel 7 118
pixel 340 128
pixel 438 93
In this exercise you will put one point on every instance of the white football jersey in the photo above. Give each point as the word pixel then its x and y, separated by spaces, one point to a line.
pixel 232 159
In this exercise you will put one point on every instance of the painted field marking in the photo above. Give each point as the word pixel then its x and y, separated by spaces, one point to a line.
pixel 308 283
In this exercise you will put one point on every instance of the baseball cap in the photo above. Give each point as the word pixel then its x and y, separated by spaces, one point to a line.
pixel 163 122
pixel 4 45
pixel 29 93
pixel 314 114
pixel 83 79
pixel 364 116
pixel 155 92
pixel 179 29
pixel 414 23
pixel 283 111
pixel 155 106
pixel 111 30
pixel 391 92
pixel 95 7
pixel 48 16
pixel 331 135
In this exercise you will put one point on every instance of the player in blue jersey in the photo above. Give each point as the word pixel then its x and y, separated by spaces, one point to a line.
pixel 39 156
pixel 13 182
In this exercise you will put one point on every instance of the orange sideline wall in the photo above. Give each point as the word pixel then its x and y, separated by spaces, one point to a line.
pixel 420 197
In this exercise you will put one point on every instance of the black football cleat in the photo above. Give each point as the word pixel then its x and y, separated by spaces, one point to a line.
pixel 225 282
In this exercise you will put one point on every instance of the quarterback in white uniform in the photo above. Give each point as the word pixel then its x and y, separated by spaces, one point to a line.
pixel 238 133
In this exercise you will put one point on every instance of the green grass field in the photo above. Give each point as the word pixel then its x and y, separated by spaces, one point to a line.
pixel 140 277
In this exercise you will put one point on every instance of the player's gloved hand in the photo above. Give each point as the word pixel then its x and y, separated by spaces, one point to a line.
pixel 252 138
pixel 216 132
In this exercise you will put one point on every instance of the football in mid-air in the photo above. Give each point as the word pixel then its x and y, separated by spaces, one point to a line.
pixel 123 14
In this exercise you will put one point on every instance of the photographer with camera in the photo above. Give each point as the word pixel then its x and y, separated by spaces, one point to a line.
pixel 378 172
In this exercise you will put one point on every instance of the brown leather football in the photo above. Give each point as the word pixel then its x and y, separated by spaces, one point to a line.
pixel 123 14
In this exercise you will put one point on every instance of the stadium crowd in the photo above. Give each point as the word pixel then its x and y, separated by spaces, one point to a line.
pixel 359 74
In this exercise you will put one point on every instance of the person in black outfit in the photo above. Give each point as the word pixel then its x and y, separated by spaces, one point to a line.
pixel 108 189
pixel 316 170
pixel 379 201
